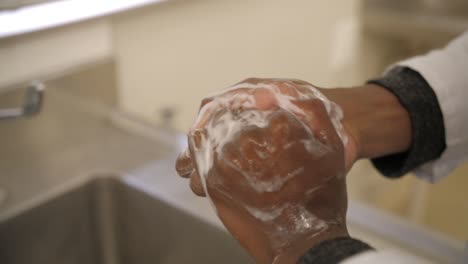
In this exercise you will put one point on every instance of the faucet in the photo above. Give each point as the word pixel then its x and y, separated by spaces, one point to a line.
pixel 32 105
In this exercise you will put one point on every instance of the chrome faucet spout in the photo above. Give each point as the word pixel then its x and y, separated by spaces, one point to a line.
pixel 32 105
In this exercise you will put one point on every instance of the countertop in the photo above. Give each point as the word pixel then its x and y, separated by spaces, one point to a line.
pixel 68 142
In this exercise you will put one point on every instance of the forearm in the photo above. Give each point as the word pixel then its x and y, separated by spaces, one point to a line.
pixel 374 119
pixel 396 121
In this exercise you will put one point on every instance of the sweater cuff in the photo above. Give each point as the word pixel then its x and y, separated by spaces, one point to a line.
pixel 334 251
pixel 428 133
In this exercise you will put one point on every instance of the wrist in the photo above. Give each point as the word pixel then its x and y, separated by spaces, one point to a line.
pixel 374 120
pixel 293 253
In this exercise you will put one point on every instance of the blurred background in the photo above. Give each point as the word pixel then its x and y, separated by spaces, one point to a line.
pixel 155 60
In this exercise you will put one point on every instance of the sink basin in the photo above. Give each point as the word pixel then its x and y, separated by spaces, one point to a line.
pixel 105 220
pixel 87 183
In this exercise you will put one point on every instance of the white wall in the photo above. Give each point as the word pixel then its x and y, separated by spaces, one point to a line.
pixel 51 52
pixel 173 54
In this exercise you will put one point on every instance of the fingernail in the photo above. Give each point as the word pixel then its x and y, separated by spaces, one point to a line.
pixel 197 138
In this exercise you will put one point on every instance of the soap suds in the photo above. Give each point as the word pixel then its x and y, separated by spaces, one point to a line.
pixel 304 222
pixel 231 112
pixel 268 214
pixel 273 184
pixel 235 118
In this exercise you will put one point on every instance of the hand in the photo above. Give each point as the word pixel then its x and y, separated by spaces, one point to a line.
pixel 268 155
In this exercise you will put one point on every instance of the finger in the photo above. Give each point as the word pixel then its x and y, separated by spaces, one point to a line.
pixel 203 117
pixel 280 125
pixel 264 99
pixel 300 82
pixel 205 101
pixel 184 165
pixel 196 184
pixel 350 153
pixel 252 80
pixel 318 120
pixel 288 88
pixel 313 110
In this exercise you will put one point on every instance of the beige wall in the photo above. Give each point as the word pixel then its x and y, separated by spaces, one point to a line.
pixel 172 55
pixel 53 52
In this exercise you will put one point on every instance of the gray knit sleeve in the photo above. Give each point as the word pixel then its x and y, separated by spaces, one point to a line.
pixel 428 133
pixel 334 251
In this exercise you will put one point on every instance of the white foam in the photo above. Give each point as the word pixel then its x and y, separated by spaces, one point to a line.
pixel 228 114
pixel 284 231
pixel 266 215
pixel 234 119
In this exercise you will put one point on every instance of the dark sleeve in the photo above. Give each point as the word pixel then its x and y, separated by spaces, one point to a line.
pixel 334 251
pixel 428 133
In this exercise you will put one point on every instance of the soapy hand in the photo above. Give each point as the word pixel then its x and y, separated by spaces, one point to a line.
pixel 269 154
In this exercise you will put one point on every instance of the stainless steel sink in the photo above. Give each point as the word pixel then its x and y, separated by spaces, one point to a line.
pixel 104 220
pixel 86 183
